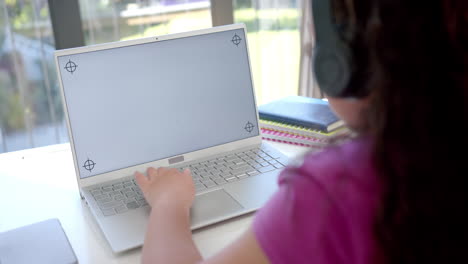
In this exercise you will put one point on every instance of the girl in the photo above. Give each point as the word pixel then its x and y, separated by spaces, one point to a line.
pixel 396 194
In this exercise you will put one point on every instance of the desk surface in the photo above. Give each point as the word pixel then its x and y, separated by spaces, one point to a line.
pixel 39 184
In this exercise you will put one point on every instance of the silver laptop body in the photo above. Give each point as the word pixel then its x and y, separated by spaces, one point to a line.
pixel 181 100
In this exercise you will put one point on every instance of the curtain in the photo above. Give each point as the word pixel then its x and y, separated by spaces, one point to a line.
pixel 307 85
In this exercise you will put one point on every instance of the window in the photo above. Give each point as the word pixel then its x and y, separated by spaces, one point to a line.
pixel 31 113
pixel 30 108
pixel 106 20
pixel 274 41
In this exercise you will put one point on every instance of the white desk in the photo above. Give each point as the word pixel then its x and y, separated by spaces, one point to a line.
pixel 38 184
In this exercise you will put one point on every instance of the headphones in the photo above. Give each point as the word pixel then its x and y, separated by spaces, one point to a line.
pixel 332 57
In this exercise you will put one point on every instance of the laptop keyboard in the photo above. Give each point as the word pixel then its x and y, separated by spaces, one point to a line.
pixel 119 197
pixel 230 168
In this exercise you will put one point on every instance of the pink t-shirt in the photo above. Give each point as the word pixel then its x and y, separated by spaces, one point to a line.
pixel 324 209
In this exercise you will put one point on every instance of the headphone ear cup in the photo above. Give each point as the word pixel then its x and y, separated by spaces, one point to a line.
pixel 331 69
pixel 332 57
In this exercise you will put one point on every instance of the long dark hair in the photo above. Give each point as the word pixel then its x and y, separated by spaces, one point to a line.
pixel 416 67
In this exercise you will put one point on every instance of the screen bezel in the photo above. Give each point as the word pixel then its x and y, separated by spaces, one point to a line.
pixel 190 156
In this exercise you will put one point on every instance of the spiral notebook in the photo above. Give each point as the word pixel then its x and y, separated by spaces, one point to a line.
pixel 303 131
pixel 295 139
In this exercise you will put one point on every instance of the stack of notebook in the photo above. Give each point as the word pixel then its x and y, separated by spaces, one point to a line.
pixel 301 121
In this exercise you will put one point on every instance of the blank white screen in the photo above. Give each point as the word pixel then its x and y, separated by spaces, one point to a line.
pixel 146 102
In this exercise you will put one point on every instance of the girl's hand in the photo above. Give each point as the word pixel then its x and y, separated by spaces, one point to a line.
pixel 167 187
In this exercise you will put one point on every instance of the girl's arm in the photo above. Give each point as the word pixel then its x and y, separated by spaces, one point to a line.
pixel 168 237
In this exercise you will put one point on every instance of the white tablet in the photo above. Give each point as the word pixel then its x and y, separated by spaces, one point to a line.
pixel 42 242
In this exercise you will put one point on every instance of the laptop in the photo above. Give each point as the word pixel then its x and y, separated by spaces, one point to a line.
pixel 181 100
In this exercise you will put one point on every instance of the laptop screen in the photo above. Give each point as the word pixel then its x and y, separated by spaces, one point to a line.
pixel 136 104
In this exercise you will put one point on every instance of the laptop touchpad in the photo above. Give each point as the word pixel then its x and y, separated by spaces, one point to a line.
pixel 215 205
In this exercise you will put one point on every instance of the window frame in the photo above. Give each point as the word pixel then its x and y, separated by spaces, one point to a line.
pixel 67 23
